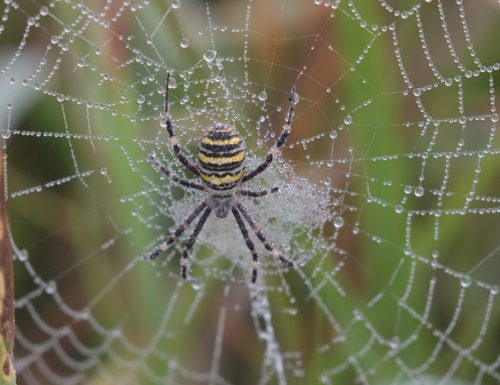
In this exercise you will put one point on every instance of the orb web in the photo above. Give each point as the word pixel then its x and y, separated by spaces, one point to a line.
pixel 388 196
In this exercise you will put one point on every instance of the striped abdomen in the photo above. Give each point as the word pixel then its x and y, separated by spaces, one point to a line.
pixel 221 156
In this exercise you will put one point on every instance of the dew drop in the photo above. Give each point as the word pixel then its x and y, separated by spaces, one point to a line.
pixel 333 134
pixel 6 134
pixel 172 83
pixel 348 119
pixel 176 4
pixel 141 99
pixel 184 43
pixel 394 343
pixel 338 222
pixel 197 284
pixel 209 56
pixel 465 281
pixel 262 95
pixel 22 255
pixel 51 287
pixel 419 191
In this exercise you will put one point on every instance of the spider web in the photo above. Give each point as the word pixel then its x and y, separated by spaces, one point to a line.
pixel 388 200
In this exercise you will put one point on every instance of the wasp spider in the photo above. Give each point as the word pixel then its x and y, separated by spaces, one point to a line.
pixel 221 168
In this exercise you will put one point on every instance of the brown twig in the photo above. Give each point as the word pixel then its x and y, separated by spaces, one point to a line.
pixel 7 328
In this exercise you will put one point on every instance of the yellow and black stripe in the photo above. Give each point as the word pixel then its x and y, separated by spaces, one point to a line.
pixel 221 157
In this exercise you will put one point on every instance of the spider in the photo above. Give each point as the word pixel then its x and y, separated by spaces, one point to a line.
pixel 221 168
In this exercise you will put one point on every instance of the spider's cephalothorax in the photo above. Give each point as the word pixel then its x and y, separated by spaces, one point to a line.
pixel 221 167
pixel 221 159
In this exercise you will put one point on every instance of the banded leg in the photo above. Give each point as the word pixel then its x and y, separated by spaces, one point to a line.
pixel 191 240
pixel 287 128
pixel 173 139
pixel 258 231
pixel 255 194
pixel 160 166
pixel 249 243
pixel 180 229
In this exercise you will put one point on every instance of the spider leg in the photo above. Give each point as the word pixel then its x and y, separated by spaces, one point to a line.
pixel 191 240
pixel 287 128
pixel 259 193
pixel 160 166
pixel 248 241
pixel 180 229
pixel 258 231
pixel 173 139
